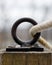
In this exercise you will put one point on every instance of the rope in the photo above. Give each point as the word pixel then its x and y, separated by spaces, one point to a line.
pixel 45 43
pixel 40 27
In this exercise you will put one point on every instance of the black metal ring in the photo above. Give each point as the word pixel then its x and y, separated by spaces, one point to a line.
pixel 13 31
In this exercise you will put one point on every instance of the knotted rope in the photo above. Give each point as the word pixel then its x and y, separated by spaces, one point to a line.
pixel 41 27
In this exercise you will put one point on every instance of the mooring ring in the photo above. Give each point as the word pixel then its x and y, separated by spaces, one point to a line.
pixel 14 27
